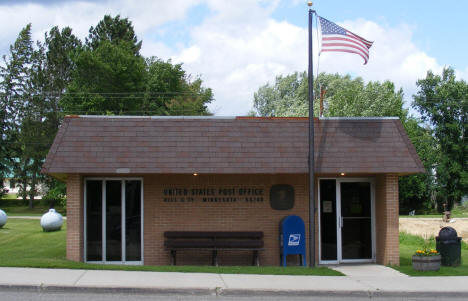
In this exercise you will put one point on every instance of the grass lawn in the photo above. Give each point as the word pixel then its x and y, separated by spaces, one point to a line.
pixel 410 243
pixel 457 212
pixel 423 216
pixel 15 207
pixel 25 245
pixel 10 196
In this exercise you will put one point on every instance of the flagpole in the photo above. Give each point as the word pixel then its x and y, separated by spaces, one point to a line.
pixel 311 146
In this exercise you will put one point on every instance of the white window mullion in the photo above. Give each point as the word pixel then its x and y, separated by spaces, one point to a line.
pixel 339 222
pixel 104 236
pixel 123 202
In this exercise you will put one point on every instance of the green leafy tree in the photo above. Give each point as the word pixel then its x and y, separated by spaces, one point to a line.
pixel 170 91
pixel 56 193
pixel 417 192
pixel 351 97
pixel 111 77
pixel 107 75
pixel 116 31
pixel 442 101
pixel 108 79
pixel 344 96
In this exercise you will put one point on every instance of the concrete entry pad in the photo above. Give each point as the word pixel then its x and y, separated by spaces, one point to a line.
pixel 366 271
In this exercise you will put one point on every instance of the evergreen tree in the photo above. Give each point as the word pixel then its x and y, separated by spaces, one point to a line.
pixel 60 46
pixel 17 89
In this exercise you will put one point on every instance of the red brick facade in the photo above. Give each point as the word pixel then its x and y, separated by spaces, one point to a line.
pixel 386 217
pixel 75 222
pixel 254 215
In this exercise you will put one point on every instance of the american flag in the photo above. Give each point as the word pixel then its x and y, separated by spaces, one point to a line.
pixel 338 39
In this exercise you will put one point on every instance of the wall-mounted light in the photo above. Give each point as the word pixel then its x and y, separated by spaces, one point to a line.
pixel 342 174
pixel 195 174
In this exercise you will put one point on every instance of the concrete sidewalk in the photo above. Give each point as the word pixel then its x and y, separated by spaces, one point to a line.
pixel 363 280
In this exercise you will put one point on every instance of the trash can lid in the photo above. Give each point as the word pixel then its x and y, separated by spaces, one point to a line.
pixel 447 233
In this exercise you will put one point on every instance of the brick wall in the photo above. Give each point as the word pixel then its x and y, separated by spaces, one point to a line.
pixel 74 217
pixel 161 216
pixel 386 211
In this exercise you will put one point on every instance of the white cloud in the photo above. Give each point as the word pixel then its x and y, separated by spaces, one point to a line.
pixel 240 52
pixel 235 60
pixel 394 56
pixel 463 74
pixel 80 15
pixel 238 47
pixel 190 55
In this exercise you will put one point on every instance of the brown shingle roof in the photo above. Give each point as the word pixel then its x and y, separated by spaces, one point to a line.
pixel 139 145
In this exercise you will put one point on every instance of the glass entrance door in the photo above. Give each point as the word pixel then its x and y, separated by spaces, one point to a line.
pixel 113 221
pixel 328 225
pixel 356 221
pixel 346 220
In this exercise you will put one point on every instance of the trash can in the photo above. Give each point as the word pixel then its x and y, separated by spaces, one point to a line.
pixel 292 238
pixel 448 244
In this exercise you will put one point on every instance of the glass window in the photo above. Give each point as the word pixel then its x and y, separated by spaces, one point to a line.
pixel 133 220
pixel 93 220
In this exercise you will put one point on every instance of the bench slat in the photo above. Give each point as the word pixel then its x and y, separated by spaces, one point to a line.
pixel 216 244
pixel 214 234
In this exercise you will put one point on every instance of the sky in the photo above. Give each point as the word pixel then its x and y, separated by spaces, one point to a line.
pixel 238 46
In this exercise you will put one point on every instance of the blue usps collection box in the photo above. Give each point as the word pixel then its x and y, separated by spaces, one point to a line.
pixel 292 238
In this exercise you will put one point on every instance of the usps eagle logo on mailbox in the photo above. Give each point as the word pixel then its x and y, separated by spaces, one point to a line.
pixel 294 239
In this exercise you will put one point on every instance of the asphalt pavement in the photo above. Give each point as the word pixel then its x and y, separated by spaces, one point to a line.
pixel 360 281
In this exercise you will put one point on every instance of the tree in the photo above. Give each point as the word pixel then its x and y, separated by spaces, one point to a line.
pixel 20 77
pixel 107 75
pixel 417 192
pixel 114 30
pixel 112 80
pixel 59 45
pixel 108 79
pixel 344 97
pixel 34 78
pixel 169 91
pixel 443 102
pixel 351 97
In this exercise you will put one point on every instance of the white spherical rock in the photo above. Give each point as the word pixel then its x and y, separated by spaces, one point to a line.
pixel 3 218
pixel 51 221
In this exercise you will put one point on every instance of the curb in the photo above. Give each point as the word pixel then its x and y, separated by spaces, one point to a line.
pixel 226 292
pixel 345 294
pixel 110 290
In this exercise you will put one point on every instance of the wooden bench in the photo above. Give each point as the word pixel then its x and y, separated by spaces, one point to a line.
pixel 214 241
